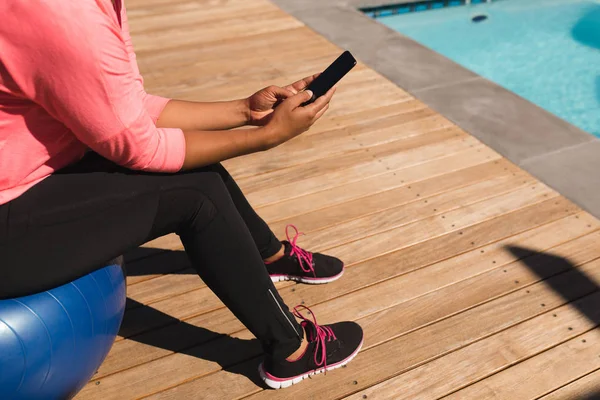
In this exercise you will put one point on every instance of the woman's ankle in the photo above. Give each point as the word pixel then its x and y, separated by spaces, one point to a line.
pixel 295 356
pixel 276 256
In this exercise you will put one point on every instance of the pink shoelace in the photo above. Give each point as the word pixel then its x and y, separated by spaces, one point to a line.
pixel 324 334
pixel 304 257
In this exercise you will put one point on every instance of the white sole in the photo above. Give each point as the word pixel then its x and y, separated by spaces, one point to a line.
pixel 310 281
pixel 281 384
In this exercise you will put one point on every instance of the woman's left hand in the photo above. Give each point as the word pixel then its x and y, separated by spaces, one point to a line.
pixel 262 103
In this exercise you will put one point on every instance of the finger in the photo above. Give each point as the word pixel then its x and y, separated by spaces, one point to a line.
pixel 303 83
pixel 299 98
pixel 280 93
pixel 321 112
pixel 322 101
pixel 291 88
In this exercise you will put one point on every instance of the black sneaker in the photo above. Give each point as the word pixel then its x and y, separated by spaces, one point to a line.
pixel 329 347
pixel 302 266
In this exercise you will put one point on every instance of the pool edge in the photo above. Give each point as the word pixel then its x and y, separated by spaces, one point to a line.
pixel 556 152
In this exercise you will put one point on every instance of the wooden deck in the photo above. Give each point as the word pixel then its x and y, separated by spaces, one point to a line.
pixel 471 279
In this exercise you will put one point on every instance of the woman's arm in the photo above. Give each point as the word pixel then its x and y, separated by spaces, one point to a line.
pixel 70 58
pixel 254 110
pixel 290 119
pixel 188 115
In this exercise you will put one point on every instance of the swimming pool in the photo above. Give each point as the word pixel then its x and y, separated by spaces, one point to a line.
pixel 547 51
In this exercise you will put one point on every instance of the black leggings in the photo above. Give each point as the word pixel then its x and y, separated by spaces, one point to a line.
pixel 75 220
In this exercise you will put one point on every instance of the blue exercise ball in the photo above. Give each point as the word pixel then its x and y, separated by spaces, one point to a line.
pixel 52 343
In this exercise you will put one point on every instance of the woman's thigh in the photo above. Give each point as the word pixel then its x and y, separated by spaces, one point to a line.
pixel 75 220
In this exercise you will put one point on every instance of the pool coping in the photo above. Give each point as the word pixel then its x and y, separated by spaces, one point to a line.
pixel 556 152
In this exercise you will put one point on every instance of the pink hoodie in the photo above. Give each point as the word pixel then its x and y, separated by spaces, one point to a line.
pixel 69 81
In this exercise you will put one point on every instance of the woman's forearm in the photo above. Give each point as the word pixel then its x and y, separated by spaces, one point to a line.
pixel 197 116
pixel 289 120
pixel 209 147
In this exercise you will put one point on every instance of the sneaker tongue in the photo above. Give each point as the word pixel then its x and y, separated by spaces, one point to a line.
pixel 310 329
pixel 287 248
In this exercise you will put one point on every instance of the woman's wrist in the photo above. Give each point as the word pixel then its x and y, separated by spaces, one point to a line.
pixel 266 137
pixel 243 107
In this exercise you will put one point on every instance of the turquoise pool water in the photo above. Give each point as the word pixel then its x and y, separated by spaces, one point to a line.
pixel 547 51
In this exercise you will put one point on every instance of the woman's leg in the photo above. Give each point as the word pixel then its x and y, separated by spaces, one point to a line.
pixel 265 240
pixel 71 223
pixel 290 262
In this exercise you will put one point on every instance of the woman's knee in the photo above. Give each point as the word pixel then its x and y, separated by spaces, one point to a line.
pixel 219 169
pixel 191 201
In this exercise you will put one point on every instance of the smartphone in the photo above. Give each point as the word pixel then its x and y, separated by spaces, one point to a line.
pixel 328 78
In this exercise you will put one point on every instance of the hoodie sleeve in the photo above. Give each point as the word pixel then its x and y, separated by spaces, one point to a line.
pixel 71 57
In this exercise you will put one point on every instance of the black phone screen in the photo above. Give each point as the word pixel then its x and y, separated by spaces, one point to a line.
pixel 328 78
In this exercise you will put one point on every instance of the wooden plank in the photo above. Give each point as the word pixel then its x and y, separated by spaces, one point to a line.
pixel 129 353
pixel 163 287
pixel 306 149
pixel 541 374
pixel 453 221
pixel 412 212
pixel 157 65
pixel 385 95
pixel 436 135
pixel 335 197
pixel 348 121
pixel 305 61
pixel 493 283
pixel 240 81
pixel 270 21
pixel 360 81
pixel 587 388
pixel 235 78
pixel 404 352
pixel 185 15
pixel 484 358
pixel 319 179
pixel 342 105
pixel 422 191
pixel 224 51
pixel 258 68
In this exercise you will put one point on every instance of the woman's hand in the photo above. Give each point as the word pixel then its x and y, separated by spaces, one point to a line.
pixel 287 121
pixel 290 119
pixel 262 103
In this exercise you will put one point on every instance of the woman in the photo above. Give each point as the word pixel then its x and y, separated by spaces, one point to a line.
pixel 92 166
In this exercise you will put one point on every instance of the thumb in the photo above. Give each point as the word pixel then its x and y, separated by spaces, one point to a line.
pixel 299 98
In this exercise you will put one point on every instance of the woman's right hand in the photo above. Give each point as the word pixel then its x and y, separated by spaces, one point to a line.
pixel 290 119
